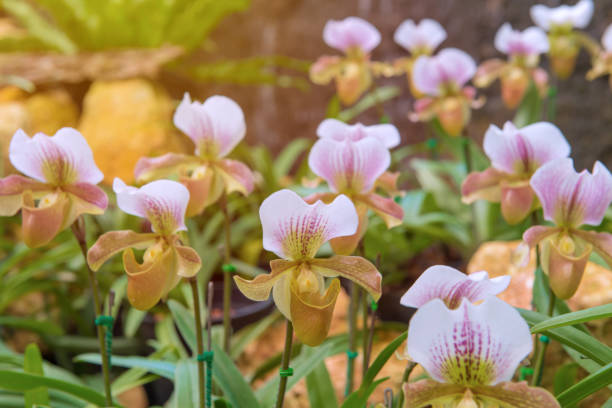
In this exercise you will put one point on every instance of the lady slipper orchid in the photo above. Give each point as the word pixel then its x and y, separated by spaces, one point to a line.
pixel 387 134
pixel 452 286
pixel 442 80
pixel 570 200
pixel 523 50
pixel 602 62
pixel 418 39
pixel 59 187
pixel 515 155
pixel 356 38
pixel 471 354
pixel 215 127
pixel 352 168
pixel 166 260
pixel 295 230
pixel 560 23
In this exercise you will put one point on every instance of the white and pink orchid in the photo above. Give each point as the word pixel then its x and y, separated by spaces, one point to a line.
pixel 565 42
pixel 523 49
pixel 295 230
pixel 61 184
pixel 515 155
pixel 356 38
pixel 471 354
pixel 570 200
pixel 419 39
pixel 215 127
pixel 452 286
pixel 442 79
pixel 353 161
pixel 163 203
pixel 602 59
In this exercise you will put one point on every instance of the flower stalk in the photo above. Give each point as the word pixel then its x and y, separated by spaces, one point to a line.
pixel 285 371
pixel 227 276
pixel 541 351
pixel 200 343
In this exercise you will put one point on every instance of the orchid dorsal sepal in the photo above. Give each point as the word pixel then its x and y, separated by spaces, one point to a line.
pixel 59 187
pixel 420 39
pixel 564 17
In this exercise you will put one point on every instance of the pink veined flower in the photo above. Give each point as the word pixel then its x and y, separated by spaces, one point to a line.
pixel 515 155
pixel 59 187
pixel 166 260
pixel 550 18
pixel 295 230
pixel 356 38
pixel 570 200
pixel 471 354
pixel 452 286
pixel 337 130
pixel 215 127
pixel 353 168
pixel 532 41
pixel 421 38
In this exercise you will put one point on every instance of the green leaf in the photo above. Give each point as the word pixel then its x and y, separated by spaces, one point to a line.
pixel 565 377
pixel 162 368
pixel 570 319
pixel 250 333
pixel 38 326
pixel 186 384
pixel 289 156
pixel 185 322
pixel 320 388
pixel 133 320
pixel 359 398
pixel 32 364
pixel 587 386
pixel 529 110
pixel 15 381
pixel 382 358
pixel 376 97
pixel 333 107
pixel 230 380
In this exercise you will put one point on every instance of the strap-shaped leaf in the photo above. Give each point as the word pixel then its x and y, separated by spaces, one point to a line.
pixel 570 319
pixel 586 387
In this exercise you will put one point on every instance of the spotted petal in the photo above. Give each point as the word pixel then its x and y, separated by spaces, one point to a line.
pixel 452 286
pixel 578 15
pixel 351 33
pixel 349 167
pixel 162 202
pixel 65 158
pixel 569 198
pixel 113 242
pixel 259 288
pixel 472 345
pixel 422 38
pixel 216 126
pixel 354 268
pixel 11 189
pixel 152 168
pixel 532 41
pixel 334 129
pixel 515 395
pixel 237 176
pixel 450 66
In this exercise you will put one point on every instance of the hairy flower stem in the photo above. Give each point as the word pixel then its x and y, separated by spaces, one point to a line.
pixel 227 277
pixel 407 371
pixel 541 351
pixel 78 229
pixel 200 343
pixel 282 385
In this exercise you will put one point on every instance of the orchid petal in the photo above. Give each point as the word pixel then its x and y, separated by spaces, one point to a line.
pixel 425 393
pixel 386 208
pixel 92 198
pixel 340 131
pixel 258 288
pixel 515 395
pixel 113 242
pixel 237 176
pixel 204 190
pixel 601 242
pixel 534 235
pixel 471 345
pixel 577 16
pixel 488 72
pixel 564 270
pixel 65 158
pixel 150 281
pixel 606 38
pixel 449 66
pixel 516 202
pixel 484 185
pixel 40 224
pixel 424 37
pixel 152 168
pixel 325 69
pixel 349 166
pixel 188 261
pixel 352 32
pixel 347 245
pixel 388 182
pixel 354 268
pixel 532 41
pixel 281 293
pixel 162 202
pixel 451 286
pixel 311 313
pixel 294 229
pixel 11 189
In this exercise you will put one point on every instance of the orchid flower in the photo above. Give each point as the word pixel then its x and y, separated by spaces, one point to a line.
pixel 471 354
pixel 560 23
pixel 352 165
pixel 295 230
pixel 452 286
pixel 442 79
pixel 166 260
pixel 515 155
pixel 418 39
pixel 215 127
pixel 523 49
pixel 570 200
pixel 356 38
pixel 602 62
pixel 59 187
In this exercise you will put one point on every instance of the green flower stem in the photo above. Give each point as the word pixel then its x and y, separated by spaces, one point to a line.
pixel 200 343
pixel 227 277
pixel 365 337
pixel 407 371
pixel 541 350
pixel 352 334
pixel 285 372
pixel 467 160
pixel 209 366
pixel 368 352
pixel 78 229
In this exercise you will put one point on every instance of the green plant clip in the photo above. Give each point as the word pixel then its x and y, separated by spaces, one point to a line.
pixel 207 357
pixel 431 143
pixel 525 372
pixel 287 372
pixel 374 306
pixel 228 268
pixel 544 339
pixel 107 322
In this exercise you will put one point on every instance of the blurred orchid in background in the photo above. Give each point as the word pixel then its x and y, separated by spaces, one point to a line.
pixel 166 260
pixel 565 41
pixel 452 286
pixel 570 200
pixel 215 127
pixel 442 79
pixel 356 38
pixel 515 155
pixel 523 49
pixel 602 61
pixel 61 184
pixel 418 39
pixel 352 159
pixel 471 354
pixel 295 230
